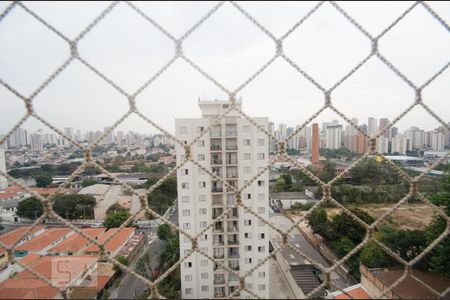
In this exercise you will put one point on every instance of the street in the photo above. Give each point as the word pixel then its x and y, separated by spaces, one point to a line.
pixel 297 240
pixel 129 286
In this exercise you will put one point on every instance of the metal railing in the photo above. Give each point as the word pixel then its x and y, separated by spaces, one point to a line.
pixel 279 54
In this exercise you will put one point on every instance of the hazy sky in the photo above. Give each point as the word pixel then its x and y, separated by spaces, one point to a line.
pixel 129 50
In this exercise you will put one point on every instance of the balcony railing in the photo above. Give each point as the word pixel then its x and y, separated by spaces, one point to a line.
pixel 231 147
pixel 219 255
pixel 232 175
pixel 216 190
pixel 219 281
pixel 233 255
pixel 216 134
pixel 232 228
pixel 231 133
pixel 217 202
pixel 216 147
pixel 218 229
pixel 216 162
pixel 218 243
pixel 219 295
pixel 233 242
pixel 234 267
pixel 232 161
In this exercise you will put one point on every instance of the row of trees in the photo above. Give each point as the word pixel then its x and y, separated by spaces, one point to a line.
pixel 341 153
pixel 70 206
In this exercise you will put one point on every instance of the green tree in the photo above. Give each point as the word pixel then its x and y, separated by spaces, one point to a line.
pixel 280 185
pixel 74 206
pixel 318 220
pixel 373 256
pixel 344 225
pixel 115 219
pixel 288 181
pixel 43 180
pixel 115 207
pixel 328 171
pixel 30 208
pixel 122 259
pixel 88 181
pixel 164 232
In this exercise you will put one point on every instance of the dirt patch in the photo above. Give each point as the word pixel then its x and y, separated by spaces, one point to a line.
pixel 407 216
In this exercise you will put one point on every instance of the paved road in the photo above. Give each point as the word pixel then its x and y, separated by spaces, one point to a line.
pixel 297 240
pixel 130 285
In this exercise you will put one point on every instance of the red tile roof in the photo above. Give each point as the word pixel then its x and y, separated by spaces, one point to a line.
pixel 26 289
pixel 9 238
pixel 76 242
pixel 115 243
pixel 43 240
pixel 356 292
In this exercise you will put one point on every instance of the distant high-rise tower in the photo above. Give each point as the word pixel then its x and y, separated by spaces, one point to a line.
pixel 383 123
pixel 372 127
pixel 3 180
pixel 315 144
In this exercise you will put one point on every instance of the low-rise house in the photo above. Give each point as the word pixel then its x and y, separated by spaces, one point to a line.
pixel 43 242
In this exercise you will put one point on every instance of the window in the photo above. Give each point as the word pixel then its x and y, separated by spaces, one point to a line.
pixel 246 156
pixel 246 142
pixel 200 143
pixel 184 171
pixel 202 211
pixel 188 264
pixel 186 225
pixel 247 170
pixel 188 277
pixel 202 184
pixel 204 237
pixel 247 235
pixel 186 212
pixel 186 239
pixel 247 222
pixel 182 129
pixel 261 287
pixel 201 157
pixel 201 171
pixel 203 224
pixel 204 262
pixel 261 236
pixel 260 182
pixel 202 198
pixel 184 185
pixel 246 128
pixel 261 223
pixel 205 288
pixel 261 156
pixel 248 196
pixel 185 199
pixel 248 260
pixel 261 274
pixel 260 169
pixel 200 129
pixel 188 291
pixel 260 196
pixel 205 275
pixel 204 250
pixel 182 157
pixel 260 142
pixel 249 286
pixel 261 249
pixel 186 252
pixel 248 248
pixel 261 210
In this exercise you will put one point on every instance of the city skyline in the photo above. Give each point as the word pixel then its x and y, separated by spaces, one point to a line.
pixel 280 92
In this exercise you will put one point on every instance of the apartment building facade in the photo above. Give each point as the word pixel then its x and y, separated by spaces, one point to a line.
pixel 236 151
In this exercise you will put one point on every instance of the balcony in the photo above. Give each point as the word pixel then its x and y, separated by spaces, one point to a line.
pixel 217 212
pixel 218 201
pixel 231 161
pixel 219 281
pixel 231 147
pixel 216 189
pixel 216 161
pixel 234 266
pixel 218 243
pixel 219 255
pixel 231 133
pixel 218 227
pixel 219 295
pixel 232 228
pixel 233 254
pixel 216 147
pixel 233 242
